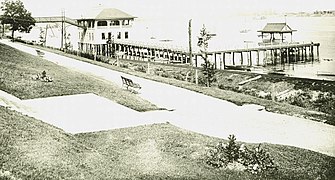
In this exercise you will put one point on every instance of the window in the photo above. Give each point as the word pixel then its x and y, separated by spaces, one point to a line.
pixel 125 22
pixel 103 36
pixel 102 23
pixel 119 35
pixel 115 23
pixel 126 34
pixel 109 35
pixel 91 24
pixel 91 37
pixel 79 35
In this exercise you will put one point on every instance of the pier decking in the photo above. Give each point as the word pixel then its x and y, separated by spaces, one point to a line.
pixel 247 57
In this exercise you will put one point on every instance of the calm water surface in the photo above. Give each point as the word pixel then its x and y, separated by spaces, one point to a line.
pixel 174 32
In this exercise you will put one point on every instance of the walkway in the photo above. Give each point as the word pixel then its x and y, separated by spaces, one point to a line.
pixel 208 115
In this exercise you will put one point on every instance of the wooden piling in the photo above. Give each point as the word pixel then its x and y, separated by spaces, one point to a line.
pixel 258 58
pixel 215 65
pixel 224 60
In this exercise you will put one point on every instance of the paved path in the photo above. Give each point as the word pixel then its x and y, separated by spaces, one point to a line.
pixel 208 115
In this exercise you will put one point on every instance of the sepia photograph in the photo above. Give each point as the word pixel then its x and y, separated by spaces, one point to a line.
pixel 167 89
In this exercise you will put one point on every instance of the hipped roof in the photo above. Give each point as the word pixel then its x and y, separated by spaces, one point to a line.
pixel 276 28
pixel 107 14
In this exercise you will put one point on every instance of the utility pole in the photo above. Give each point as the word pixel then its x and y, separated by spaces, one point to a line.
pixel 190 51
pixel 190 41
pixel 62 34
pixel 45 35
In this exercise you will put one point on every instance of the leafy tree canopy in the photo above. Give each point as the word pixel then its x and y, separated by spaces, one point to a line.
pixel 14 13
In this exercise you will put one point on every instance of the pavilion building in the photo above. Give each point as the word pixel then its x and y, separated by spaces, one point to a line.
pixel 101 28
pixel 274 33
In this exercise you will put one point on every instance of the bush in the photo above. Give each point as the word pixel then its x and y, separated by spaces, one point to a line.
pixel 178 76
pixel 126 65
pixel 301 99
pixel 256 161
pixel 165 74
pixel 202 79
pixel 325 102
pixel 141 68
pixel 224 153
pixel 86 55
pixel 208 71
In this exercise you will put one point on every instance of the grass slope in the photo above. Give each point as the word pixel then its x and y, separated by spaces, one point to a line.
pixel 17 70
pixel 31 149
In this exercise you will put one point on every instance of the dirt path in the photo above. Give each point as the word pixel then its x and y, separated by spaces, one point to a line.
pixel 211 116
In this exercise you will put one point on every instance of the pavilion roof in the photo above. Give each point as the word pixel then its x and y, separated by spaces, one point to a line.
pixel 276 28
pixel 107 14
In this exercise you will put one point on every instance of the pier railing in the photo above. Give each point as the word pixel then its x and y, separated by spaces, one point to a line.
pixel 253 56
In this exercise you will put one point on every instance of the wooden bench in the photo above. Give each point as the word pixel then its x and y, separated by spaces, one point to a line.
pixel 129 83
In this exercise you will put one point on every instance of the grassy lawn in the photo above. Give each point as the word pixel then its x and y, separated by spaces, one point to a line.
pixel 32 149
pixel 17 70
pixel 227 88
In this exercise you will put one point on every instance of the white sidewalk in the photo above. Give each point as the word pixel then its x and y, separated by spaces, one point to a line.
pixel 199 113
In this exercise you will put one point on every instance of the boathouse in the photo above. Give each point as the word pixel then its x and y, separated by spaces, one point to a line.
pixel 273 33
pixel 103 27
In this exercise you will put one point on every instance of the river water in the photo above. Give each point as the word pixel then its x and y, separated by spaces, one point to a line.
pixel 241 32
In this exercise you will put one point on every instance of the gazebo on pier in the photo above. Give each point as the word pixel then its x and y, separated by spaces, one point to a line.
pixel 275 29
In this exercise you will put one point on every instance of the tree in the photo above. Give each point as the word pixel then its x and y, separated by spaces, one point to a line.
pixel 68 44
pixel 15 14
pixel 208 67
pixel 42 36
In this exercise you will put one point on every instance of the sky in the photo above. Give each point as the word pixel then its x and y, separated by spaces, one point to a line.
pixel 175 8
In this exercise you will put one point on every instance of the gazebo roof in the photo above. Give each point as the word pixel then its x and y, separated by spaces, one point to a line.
pixel 276 28
pixel 107 14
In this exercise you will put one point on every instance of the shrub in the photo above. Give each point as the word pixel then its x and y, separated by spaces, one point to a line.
pixel 224 153
pixel 165 74
pixel 208 72
pixel 325 102
pixel 141 68
pixel 301 99
pixel 256 161
pixel 126 65
pixel 178 76
pixel 202 79
pixel 226 87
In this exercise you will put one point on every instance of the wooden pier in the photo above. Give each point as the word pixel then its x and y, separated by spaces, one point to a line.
pixel 267 55
pixel 146 52
pixel 246 57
